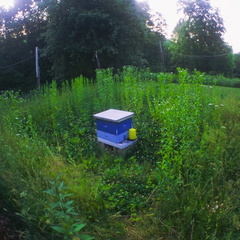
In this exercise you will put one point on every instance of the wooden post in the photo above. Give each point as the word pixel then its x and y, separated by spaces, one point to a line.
pixel 98 62
pixel 37 67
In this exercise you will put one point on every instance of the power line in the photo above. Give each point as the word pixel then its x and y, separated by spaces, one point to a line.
pixel 16 63
pixel 204 56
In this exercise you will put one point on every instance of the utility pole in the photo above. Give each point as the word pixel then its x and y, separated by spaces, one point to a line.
pixel 37 68
pixel 98 62
pixel 161 54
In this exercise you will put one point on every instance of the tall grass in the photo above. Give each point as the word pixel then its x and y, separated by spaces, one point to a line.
pixel 179 182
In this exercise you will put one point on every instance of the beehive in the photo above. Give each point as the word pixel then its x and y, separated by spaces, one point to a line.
pixel 113 127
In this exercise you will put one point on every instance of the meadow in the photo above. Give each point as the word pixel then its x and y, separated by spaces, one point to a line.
pixel 181 181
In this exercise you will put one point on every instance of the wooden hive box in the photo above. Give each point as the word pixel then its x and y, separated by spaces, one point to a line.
pixel 113 127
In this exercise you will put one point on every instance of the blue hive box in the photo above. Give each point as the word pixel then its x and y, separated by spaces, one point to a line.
pixel 113 126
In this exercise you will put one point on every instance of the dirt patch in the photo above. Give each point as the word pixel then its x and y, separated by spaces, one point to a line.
pixel 7 230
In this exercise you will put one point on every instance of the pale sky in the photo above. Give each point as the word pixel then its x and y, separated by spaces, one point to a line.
pixel 6 3
pixel 229 11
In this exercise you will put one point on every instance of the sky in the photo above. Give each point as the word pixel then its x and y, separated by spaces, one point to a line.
pixel 6 3
pixel 229 11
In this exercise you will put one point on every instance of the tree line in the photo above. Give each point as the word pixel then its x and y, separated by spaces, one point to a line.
pixel 75 37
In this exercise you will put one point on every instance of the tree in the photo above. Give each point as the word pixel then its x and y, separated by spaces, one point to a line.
pixel 77 30
pixel 155 51
pixel 198 38
pixel 237 65
pixel 75 37
pixel 21 28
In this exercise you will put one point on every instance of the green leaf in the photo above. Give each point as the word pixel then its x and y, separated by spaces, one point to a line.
pixel 78 227
pixel 59 229
pixel 72 213
pixel 59 176
pixel 60 186
pixel 51 192
pixel 85 237
pixel 63 196
pixel 54 205
pixel 52 182
pixel 69 202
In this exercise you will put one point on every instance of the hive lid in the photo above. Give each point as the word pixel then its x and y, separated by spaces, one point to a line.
pixel 114 115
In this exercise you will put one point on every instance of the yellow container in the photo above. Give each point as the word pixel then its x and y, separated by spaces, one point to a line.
pixel 132 134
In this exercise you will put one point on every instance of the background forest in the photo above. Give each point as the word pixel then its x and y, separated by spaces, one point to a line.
pixel 77 37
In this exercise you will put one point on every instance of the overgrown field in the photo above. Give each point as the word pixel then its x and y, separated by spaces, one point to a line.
pixel 181 181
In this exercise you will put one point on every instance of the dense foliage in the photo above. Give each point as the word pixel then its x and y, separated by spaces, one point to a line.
pixel 77 37
pixel 74 37
pixel 237 65
pixel 181 181
pixel 199 40
pixel 82 34
pixel 21 28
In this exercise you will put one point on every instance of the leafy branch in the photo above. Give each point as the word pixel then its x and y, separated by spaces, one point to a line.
pixel 61 215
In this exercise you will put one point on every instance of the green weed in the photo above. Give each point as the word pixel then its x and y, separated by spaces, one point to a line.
pixel 60 214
